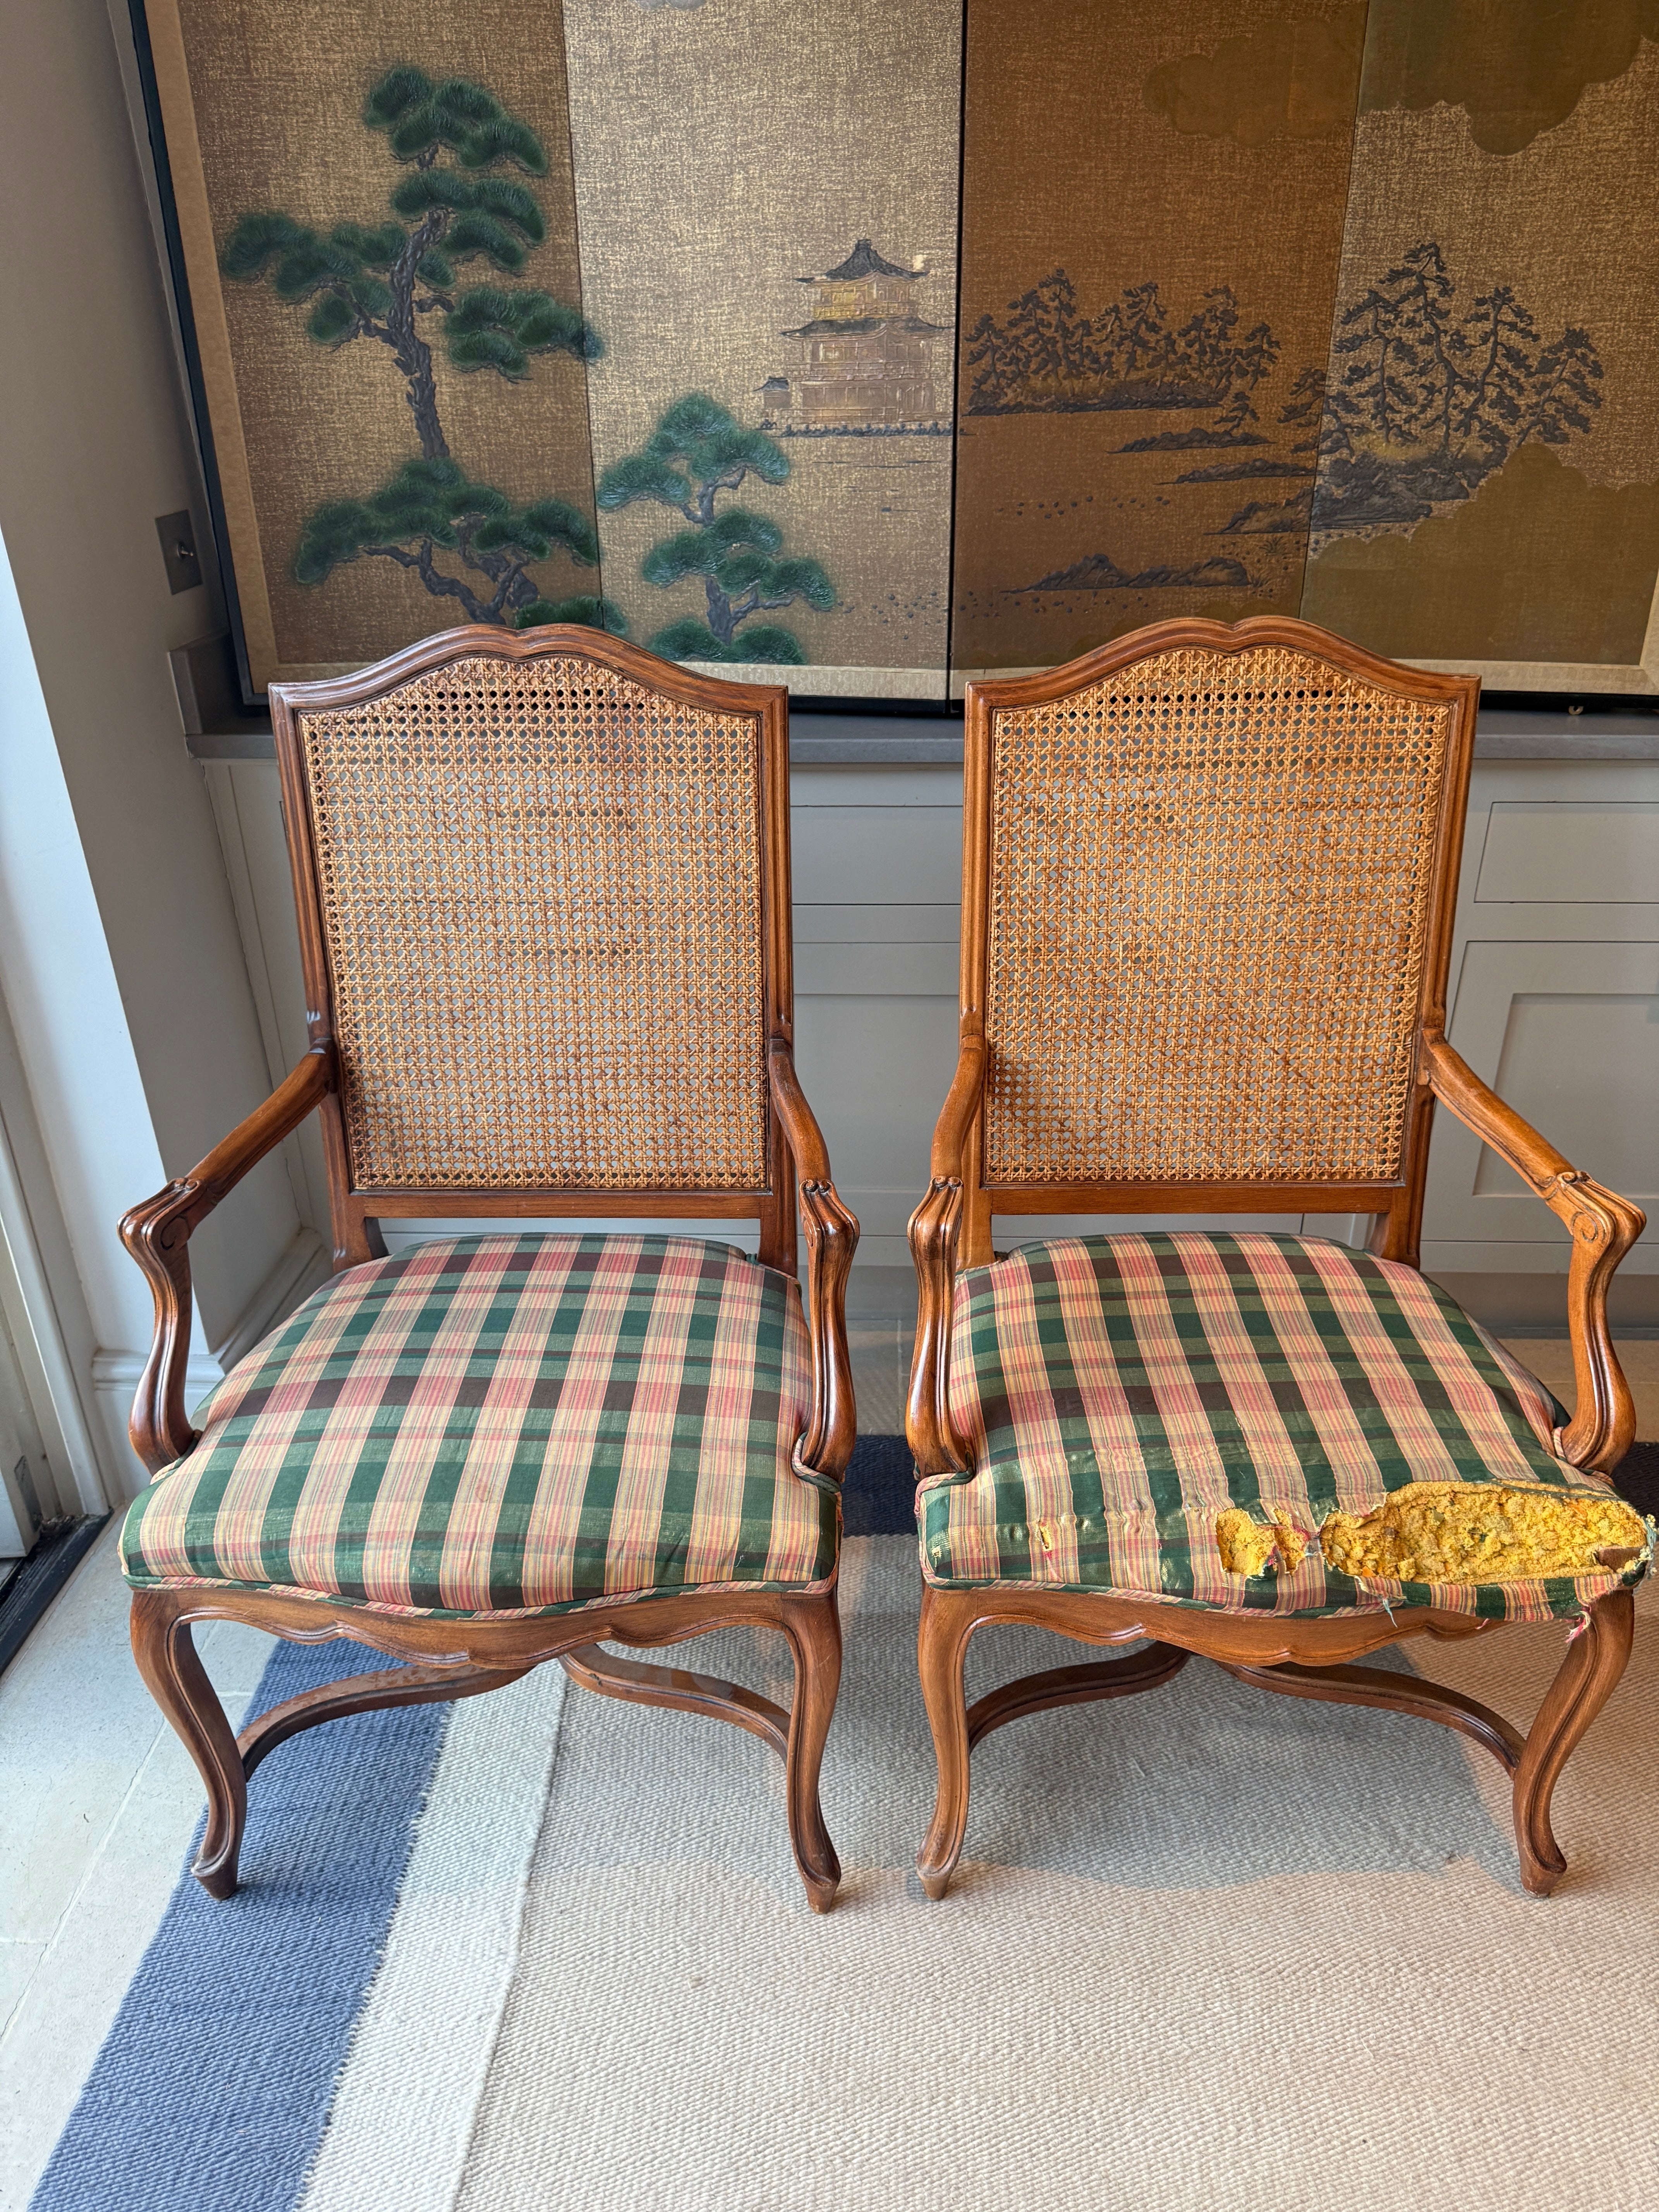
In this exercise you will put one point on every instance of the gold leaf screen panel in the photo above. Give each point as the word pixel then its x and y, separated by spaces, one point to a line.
pixel 541 900
pixel 1208 920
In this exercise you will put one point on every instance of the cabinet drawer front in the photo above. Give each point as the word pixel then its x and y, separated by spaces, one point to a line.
pixel 1597 852
pixel 892 856
pixel 877 971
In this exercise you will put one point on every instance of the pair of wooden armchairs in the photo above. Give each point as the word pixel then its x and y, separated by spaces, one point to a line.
pixel 542 882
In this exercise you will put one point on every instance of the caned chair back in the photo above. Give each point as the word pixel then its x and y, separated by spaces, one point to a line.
pixel 543 890
pixel 1208 882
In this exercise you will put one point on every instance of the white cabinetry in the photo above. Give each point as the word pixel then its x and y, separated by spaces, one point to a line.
pixel 878 885
pixel 1553 998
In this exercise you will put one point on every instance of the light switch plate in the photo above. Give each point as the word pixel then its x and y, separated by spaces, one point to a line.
pixel 177 535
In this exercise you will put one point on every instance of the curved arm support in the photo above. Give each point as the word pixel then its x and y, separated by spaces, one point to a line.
pixel 933 1231
pixel 832 1236
pixel 157 1234
pixel 1602 1225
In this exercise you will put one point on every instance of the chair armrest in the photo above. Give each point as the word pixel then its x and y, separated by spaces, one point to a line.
pixel 157 1234
pixel 933 1233
pixel 832 1236
pixel 1602 1225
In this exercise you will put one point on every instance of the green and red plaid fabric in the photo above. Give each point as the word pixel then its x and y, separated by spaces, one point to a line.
pixel 509 1425
pixel 1119 1393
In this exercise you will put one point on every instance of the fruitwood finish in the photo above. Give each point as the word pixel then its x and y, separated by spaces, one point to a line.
pixel 1005 885
pixel 1303 1658
pixel 501 689
pixel 460 1658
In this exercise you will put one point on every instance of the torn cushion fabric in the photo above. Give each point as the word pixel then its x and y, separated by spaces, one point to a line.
pixel 506 1425
pixel 1120 1396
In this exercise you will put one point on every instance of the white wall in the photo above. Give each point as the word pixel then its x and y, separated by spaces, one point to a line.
pixel 85 1101
pixel 141 1054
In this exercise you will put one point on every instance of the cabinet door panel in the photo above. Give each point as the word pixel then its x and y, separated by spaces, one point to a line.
pixel 877 1069
pixel 1568 1035
pixel 846 855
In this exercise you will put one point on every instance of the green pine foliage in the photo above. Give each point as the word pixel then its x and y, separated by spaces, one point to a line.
pixel 493 329
pixel 462 201
pixel 592 614
pixel 370 281
pixel 698 450
pixel 430 506
pixel 419 118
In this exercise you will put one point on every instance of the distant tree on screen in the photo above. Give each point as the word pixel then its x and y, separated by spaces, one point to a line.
pixel 698 450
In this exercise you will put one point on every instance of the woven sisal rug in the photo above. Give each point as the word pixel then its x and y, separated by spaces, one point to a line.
pixel 1207 1949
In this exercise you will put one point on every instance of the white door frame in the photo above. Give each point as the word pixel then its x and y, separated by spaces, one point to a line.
pixel 31 1304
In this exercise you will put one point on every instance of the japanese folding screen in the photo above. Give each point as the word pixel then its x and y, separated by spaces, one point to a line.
pixel 875 346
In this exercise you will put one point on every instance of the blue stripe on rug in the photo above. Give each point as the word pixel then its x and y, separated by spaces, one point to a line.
pixel 213 2086
pixel 879 1497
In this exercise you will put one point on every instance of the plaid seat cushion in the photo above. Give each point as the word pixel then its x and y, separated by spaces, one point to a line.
pixel 509 1425
pixel 1120 1393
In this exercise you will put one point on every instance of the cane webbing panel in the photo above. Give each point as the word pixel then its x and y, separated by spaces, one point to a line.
pixel 541 900
pixel 1209 910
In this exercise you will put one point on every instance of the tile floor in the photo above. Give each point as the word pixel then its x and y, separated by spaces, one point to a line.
pixel 98 1800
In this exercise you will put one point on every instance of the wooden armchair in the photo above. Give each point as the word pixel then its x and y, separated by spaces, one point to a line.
pixel 1208 879
pixel 542 884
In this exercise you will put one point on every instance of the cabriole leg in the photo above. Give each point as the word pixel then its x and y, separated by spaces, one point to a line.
pixel 167 1656
pixel 1589 1675
pixel 948 1620
pixel 812 1625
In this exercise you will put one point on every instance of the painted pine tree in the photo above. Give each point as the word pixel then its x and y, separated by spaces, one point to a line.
pixel 698 450
pixel 461 202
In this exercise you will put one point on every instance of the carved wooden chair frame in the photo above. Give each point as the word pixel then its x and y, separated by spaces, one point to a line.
pixel 448 1658
pixel 950 1230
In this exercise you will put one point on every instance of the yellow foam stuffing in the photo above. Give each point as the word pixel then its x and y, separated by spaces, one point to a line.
pixel 1246 1547
pixel 1453 1532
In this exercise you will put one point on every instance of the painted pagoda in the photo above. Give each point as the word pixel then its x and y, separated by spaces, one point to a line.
pixel 868 365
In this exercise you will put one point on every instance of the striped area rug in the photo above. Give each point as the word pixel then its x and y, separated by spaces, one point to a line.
pixel 1207 1948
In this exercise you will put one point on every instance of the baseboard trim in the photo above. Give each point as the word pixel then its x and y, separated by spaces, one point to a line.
pixel 303 1266
pixel 114 1372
